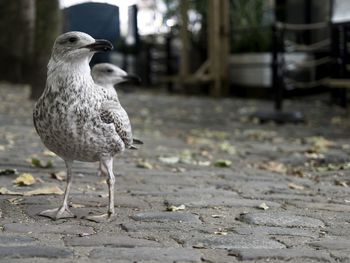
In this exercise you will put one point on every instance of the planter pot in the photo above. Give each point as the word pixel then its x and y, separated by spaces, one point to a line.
pixel 254 69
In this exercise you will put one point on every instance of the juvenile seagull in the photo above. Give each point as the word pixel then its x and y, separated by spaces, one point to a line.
pixel 75 118
pixel 107 76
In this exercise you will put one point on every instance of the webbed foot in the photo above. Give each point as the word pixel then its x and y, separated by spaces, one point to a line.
pixel 57 213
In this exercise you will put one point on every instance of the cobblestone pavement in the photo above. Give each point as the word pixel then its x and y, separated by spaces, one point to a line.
pixel 237 191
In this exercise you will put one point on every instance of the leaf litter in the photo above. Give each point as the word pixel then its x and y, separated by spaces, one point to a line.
pixel 48 190
pixel 25 179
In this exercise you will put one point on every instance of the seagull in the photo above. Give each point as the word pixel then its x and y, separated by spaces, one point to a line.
pixel 76 118
pixel 107 75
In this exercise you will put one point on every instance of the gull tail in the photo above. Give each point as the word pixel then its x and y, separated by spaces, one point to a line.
pixel 137 141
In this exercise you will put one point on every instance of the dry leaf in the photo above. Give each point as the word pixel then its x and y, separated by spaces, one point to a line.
pixel 8 171
pixel 78 206
pixel 295 186
pixel 15 200
pixel 25 179
pixel 223 163
pixel 144 164
pixel 45 191
pixel 314 155
pixel 319 144
pixel 39 164
pixel 60 176
pixel 263 206
pixel 169 159
pixel 40 191
pixel 174 208
pixel 5 191
pixel 227 148
pixel 341 183
pixel 49 153
pixel 217 216
pixel 220 233
pixel 274 167
pixel 204 163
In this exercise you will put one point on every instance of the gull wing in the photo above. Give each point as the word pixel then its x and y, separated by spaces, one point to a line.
pixel 113 112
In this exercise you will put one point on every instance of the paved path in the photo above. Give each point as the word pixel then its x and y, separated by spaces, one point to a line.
pixel 248 192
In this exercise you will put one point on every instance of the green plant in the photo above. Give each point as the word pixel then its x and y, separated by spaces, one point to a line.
pixel 250 21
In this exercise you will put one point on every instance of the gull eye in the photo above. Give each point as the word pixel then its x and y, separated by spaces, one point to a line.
pixel 72 39
pixel 109 70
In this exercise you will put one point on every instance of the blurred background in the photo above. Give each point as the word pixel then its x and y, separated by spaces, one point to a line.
pixel 248 48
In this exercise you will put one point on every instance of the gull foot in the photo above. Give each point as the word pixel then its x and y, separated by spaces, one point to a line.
pixel 57 213
pixel 101 218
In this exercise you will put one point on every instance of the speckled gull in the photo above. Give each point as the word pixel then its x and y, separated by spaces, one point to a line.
pixel 107 75
pixel 75 118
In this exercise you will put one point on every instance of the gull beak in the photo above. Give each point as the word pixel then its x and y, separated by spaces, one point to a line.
pixel 132 79
pixel 100 45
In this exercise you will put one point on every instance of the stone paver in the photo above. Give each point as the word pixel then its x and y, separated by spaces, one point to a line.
pixel 281 219
pixel 244 191
pixel 148 254
pixel 34 252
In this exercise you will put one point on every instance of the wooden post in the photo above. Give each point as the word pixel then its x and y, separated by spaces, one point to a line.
pixel 184 34
pixel 218 45
pixel 225 46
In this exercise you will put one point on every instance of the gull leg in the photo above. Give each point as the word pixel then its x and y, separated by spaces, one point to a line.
pixel 111 182
pixel 63 211
pixel 107 169
pixel 99 171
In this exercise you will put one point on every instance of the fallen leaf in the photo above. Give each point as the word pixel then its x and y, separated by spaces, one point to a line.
pixel 341 183
pixel 85 234
pixel 223 163
pixel 274 167
pixel 169 159
pixel 144 164
pixel 15 200
pixel 295 186
pixel 178 170
pixel 318 144
pixel 25 179
pixel 227 148
pixel 174 208
pixel 199 246
pixel 5 191
pixel 259 135
pixel 217 216
pixel 211 134
pixel 203 163
pixel 297 172
pixel 40 191
pixel 8 171
pixel 263 206
pixel 60 176
pixel 39 164
pixel 186 156
pixel 314 155
pixel 49 153
pixel 220 233
pixel 45 191
pixel 78 205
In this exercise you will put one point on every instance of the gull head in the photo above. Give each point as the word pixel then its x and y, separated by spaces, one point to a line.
pixel 106 74
pixel 74 46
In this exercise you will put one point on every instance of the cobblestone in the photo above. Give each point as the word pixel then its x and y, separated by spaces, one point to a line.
pixel 281 219
pixel 284 196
